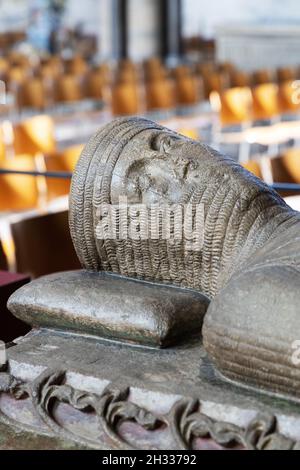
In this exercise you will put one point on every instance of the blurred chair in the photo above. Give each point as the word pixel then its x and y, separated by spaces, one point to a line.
pixel 126 75
pixel 254 167
pixel 263 76
pixel 266 101
pixel 216 81
pixel 154 69
pixel 18 192
pixel 206 68
pixel 64 161
pixel 4 66
pixel 152 64
pixel 43 245
pixel 160 94
pixel 68 89
pixel 2 146
pixel 187 90
pixel 35 135
pixel 16 76
pixel 96 86
pixel 286 167
pixel 240 78
pixel 286 73
pixel 125 99
pixel 76 66
pixel 182 71
pixel 234 105
pixel 33 94
pixel 105 71
pixel 289 97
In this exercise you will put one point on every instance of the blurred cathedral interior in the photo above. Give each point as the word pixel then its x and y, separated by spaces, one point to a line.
pixel 224 72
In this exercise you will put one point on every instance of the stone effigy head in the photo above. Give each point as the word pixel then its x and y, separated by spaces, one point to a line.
pixel 248 261
pixel 137 162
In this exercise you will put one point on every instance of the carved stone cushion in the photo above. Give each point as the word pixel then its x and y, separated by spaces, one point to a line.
pixel 112 307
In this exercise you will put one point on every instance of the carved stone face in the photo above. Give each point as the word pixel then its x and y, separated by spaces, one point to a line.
pixel 164 177
pixel 167 171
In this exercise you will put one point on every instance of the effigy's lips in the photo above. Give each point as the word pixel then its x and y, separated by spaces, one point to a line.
pixel 111 307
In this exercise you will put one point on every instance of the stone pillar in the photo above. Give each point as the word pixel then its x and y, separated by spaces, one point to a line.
pixel 144 29
pixel 171 26
pixel 110 35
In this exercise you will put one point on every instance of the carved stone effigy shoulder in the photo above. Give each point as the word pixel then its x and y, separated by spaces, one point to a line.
pixel 249 261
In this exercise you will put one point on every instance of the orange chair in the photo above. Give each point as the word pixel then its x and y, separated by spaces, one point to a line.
pixel 125 99
pixel 285 74
pixel 16 76
pixel 217 81
pixel 105 71
pixel 64 161
pixel 18 192
pixel 96 86
pixel 76 66
pixel 182 71
pixel 68 89
pixel 4 66
pixel 289 96
pixel 153 63
pixel 254 168
pixel 240 79
pixel 49 72
pixel 126 75
pixel 33 94
pixel 263 76
pixel 285 169
pixel 266 101
pixel 160 95
pixel 35 135
pixel 234 105
pixel 155 70
pixel 55 64
pixel 2 146
pixel 187 90
pixel 206 68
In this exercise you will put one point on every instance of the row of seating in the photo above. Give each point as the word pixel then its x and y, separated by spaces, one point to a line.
pixel 283 168
pixel 31 146
pixel 263 102
pixel 127 88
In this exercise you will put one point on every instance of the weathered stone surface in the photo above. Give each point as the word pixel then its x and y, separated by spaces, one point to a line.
pixel 108 395
pixel 111 306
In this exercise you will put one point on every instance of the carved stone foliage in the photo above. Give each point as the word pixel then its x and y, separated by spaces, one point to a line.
pixel 184 423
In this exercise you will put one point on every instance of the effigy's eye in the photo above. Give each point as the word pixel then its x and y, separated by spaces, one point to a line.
pixel 162 143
